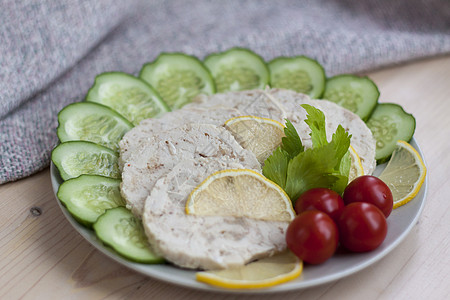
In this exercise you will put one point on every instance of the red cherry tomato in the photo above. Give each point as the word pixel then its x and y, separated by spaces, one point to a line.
pixel 312 236
pixel 362 227
pixel 372 190
pixel 325 200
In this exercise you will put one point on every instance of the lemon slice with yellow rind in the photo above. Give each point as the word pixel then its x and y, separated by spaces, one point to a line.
pixel 240 193
pixel 259 135
pixel 263 273
pixel 404 173
pixel 356 168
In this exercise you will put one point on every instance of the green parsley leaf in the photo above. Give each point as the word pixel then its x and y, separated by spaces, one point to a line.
pixel 316 121
pixel 346 162
pixel 276 166
pixel 310 169
pixel 341 143
pixel 291 143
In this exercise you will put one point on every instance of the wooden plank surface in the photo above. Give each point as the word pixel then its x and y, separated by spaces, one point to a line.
pixel 43 257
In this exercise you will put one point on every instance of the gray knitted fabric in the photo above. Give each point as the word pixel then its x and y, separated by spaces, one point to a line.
pixel 50 51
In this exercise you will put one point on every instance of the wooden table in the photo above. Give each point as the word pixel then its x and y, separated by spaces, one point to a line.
pixel 43 257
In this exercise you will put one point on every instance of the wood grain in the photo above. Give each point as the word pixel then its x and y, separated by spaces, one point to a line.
pixel 43 257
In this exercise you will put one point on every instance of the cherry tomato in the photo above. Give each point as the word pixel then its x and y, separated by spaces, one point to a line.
pixel 362 227
pixel 313 236
pixel 325 200
pixel 372 190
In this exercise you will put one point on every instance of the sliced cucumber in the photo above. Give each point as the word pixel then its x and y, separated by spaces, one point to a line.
pixel 122 231
pixel 77 157
pixel 88 196
pixel 89 121
pixel 238 69
pixel 132 97
pixel 300 73
pixel 357 94
pixel 178 78
pixel 390 123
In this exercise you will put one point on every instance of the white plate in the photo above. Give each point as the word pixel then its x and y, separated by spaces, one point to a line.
pixel 400 223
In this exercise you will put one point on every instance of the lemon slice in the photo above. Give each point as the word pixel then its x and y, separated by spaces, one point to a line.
pixel 240 193
pixel 356 168
pixel 263 273
pixel 259 135
pixel 404 173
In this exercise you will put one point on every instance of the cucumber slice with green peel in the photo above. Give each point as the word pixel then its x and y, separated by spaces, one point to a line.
pixel 237 69
pixel 76 158
pixel 300 73
pixel 90 121
pixel 130 96
pixel 390 123
pixel 357 94
pixel 122 231
pixel 88 196
pixel 178 78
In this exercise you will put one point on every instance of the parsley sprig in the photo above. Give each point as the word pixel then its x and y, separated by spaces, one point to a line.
pixel 326 164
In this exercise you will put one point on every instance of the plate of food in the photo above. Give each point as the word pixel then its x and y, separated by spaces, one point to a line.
pixel 192 172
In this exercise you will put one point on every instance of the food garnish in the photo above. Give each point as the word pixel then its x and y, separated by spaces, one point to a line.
pixel 178 78
pixel 356 168
pixel 88 196
pixel 259 135
pixel 390 123
pixel 122 231
pixel 299 73
pixel 326 164
pixel 404 173
pixel 325 200
pixel 130 96
pixel 362 227
pixel 372 190
pixel 262 273
pixel 75 158
pixel 237 69
pixel 313 236
pixel 240 193
pixel 93 122
pixel 357 94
